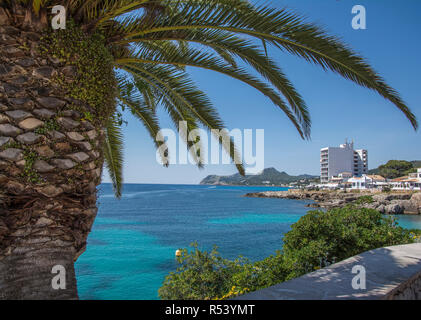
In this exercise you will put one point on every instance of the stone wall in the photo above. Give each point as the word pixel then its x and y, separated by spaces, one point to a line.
pixel 391 273
pixel 409 290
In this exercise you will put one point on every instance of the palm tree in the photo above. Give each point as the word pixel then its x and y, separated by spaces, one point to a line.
pixel 62 93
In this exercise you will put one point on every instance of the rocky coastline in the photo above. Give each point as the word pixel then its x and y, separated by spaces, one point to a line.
pixel 386 203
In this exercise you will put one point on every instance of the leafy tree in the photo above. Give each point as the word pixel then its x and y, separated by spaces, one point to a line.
pixel 117 55
pixel 396 168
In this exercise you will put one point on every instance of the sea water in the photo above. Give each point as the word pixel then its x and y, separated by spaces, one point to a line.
pixel 133 241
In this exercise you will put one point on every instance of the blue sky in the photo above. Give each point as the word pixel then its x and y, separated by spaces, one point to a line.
pixel 339 108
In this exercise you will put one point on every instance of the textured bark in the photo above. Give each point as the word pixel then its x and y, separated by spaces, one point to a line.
pixel 26 273
pixel 48 177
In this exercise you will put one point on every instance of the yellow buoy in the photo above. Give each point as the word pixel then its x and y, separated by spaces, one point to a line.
pixel 178 253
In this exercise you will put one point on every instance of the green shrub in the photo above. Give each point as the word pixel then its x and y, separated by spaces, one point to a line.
pixel 364 200
pixel 201 275
pixel 322 238
pixel 317 240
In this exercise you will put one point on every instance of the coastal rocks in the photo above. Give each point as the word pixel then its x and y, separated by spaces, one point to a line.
pixel 381 208
pixel 313 205
pixel 333 203
pixel 416 199
pixel 409 206
pixel 394 208
pixel 386 203
pixel 383 198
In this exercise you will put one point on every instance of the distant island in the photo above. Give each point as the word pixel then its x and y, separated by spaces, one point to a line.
pixel 269 176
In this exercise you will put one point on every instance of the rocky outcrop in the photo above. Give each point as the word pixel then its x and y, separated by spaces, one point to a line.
pixel 387 203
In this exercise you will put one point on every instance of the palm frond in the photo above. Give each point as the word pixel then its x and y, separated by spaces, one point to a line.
pixel 113 154
pixel 284 30
pixel 205 60
pixel 142 105
pixel 183 100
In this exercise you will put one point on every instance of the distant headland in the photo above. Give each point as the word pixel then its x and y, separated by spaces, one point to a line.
pixel 268 177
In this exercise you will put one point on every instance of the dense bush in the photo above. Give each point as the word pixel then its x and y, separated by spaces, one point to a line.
pixel 364 200
pixel 315 241
pixel 206 275
pixel 322 238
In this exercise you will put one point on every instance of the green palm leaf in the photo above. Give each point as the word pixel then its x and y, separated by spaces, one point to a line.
pixel 113 153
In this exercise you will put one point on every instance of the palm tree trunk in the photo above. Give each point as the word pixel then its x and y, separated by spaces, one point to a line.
pixel 27 273
pixel 50 165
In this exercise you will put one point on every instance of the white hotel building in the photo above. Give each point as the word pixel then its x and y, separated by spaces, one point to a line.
pixel 342 160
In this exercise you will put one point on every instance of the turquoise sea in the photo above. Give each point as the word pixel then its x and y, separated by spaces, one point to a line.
pixel 133 241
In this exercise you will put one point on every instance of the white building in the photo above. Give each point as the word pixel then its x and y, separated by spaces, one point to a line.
pixel 411 182
pixel 367 182
pixel 337 160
